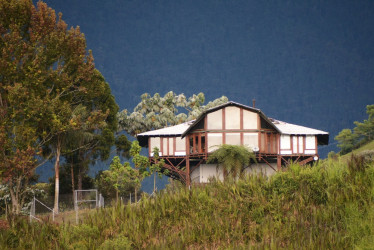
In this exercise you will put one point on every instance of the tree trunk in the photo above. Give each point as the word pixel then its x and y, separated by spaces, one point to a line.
pixel 57 174
pixel 15 204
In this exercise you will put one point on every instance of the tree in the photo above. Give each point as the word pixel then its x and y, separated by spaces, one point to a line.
pixel 365 130
pixel 154 112
pixel 156 167
pixel 46 75
pixel 234 159
pixel 347 140
pixel 118 179
pixel 141 165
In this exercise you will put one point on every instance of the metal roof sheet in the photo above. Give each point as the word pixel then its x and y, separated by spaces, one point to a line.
pixel 172 130
pixel 293 129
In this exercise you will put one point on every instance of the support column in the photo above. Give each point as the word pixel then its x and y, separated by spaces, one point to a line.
pixel 279 162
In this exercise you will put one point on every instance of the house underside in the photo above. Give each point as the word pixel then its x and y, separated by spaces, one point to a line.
pixel 185 147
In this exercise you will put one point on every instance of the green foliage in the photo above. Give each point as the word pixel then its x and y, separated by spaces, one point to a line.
pixel 347 140
pixel 363 132
pixel 154 112
pixel 118 180
pixel 234 159
pixel 123 146
pixel 141 163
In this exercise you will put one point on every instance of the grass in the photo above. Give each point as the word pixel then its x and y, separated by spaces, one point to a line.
pixel 328 205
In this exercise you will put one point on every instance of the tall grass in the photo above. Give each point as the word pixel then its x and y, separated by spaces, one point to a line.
pixel 328 205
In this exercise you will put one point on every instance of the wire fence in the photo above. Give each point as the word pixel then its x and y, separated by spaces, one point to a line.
pixel 71 206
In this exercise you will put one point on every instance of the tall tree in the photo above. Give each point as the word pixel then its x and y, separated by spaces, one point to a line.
pixel 154 112
pixel 47 68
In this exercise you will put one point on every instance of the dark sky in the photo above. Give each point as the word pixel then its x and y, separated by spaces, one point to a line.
pixel 305 62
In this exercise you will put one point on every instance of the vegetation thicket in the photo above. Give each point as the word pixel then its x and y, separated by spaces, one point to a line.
pixel 328 205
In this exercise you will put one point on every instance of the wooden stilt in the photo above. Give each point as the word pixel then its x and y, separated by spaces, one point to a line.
pixel 279 162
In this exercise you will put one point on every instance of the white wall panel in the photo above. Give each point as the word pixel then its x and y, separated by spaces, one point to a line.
pixel 155 142
pixel 285 142
pixel 233 138
pixel 165 146
pixel 249 120
pixel 310 142
pixel 180 144
pixel 215 120
pixel 301 144
pixel 195 175
pixel 232 118
pixel 214 140
pixel 294 144
pixel 250 140
pixel 171 146
pixel 208 171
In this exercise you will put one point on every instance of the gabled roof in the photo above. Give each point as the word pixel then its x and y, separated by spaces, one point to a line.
pixel 280 126
pixel 230 103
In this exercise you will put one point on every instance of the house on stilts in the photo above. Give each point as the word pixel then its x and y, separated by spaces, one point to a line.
pixel 186 147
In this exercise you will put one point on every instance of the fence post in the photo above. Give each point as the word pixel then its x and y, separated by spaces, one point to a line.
pixel 76 206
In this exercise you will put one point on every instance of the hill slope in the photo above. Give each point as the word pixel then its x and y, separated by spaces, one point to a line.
pixel 368 146
pixel 328 205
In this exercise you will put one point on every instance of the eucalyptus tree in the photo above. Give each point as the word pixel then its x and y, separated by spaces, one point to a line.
pixel 154 112
pixel 46 73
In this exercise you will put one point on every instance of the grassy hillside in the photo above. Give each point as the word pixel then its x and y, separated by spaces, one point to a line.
pixel 368 146
pixel 329 205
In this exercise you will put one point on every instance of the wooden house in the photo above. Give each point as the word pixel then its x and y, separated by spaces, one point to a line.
pixel 185 147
